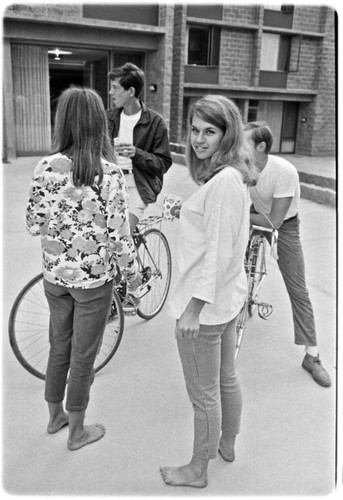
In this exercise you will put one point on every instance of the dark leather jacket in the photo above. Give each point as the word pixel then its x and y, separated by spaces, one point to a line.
pixel 152 158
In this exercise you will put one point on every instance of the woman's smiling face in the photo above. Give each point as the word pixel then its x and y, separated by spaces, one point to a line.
pixel 205 138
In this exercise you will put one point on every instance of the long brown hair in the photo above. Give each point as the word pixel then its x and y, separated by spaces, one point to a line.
pixel 81 132
pixel 223 113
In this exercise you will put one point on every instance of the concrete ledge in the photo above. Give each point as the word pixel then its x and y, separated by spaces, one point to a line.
pixel 318 180
pixel 178 158
pixel 318 194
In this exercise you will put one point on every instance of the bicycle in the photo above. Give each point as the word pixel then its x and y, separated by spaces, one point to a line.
pixel 256 271
pixel 29 316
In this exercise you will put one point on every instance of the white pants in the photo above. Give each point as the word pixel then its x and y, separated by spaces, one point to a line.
pixel 136 204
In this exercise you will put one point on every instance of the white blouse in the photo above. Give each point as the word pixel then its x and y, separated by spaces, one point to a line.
pixel 213 235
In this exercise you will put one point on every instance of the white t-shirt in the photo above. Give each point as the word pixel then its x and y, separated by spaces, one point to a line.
pixel 213 235
pixel 127 124
pixel 278 179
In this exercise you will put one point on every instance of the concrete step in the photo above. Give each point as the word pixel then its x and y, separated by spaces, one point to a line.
pixel 317 180
pixel 318 194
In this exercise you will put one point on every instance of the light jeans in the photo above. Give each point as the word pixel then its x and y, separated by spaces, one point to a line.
pixel 292 266
pixel 208 363
pixel 78 319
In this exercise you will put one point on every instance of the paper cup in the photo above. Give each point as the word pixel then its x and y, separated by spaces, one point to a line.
pixel 171 206
pixel 117 142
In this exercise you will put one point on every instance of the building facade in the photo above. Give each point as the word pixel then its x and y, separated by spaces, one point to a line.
pixel 277 65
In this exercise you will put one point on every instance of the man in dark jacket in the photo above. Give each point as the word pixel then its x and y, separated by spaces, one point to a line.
pixel 140 139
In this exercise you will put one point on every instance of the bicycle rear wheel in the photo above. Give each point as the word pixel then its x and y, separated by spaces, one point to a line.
pixel 29 329
pixel 156 266
pixel 257 271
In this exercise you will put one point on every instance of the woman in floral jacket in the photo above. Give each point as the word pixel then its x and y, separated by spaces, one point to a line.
pixel 78 206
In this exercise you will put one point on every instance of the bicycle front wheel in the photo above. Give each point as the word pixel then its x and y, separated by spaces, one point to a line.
pixel 29 329
pixel 257 272
pixel 156 266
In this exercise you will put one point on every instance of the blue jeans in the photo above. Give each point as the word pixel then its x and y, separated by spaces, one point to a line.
pixel 208 363
pixel 78 319
pixel 292 266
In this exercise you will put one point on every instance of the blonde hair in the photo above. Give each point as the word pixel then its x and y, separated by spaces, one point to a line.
pixel 233 151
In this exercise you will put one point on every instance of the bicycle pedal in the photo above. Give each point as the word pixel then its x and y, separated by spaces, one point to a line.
pixel 130 313
pixel 264 310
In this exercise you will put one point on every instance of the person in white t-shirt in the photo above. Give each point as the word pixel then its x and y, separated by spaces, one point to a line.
pixel 211 285
pixel 275 201
pixel 140 139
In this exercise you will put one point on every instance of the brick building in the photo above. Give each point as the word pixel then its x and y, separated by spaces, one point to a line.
pixel 278 65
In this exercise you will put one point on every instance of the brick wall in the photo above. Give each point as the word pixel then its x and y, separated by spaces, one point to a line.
pixel 236 57
pixel 46 10
pixel 308 18
pixel 241 14
pixel 323 139
pixel 317 136
pixel 179 58
pixel 306 77
pixel 159 68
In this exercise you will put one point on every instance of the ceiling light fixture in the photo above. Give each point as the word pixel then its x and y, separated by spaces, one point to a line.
pixel 57 53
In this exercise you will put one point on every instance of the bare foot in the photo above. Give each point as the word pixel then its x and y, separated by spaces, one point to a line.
pixel 91 434
pixel 187 475
pixel 55 424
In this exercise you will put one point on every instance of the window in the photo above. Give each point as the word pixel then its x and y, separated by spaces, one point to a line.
pixel 287 8
pixel 281 8
pixel 212 11
pixel 274 52
pixel 131 13
pixel 252 110
pixel 203 45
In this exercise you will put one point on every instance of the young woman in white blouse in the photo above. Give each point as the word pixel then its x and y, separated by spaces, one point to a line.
pixel 211 285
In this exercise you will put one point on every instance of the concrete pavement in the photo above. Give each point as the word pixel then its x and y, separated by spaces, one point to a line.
pixel 287 441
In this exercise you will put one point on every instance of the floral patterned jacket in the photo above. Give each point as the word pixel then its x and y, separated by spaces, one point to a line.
pixel 84 230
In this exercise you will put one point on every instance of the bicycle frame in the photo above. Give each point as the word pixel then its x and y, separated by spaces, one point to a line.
pixel 251 266
pixel 257 271
pixel 139 239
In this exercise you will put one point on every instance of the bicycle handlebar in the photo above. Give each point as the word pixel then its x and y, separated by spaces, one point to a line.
pixel 274 238
pixel 150 220
pixel 262 228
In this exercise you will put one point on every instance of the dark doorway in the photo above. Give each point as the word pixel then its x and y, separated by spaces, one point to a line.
pixel 61 79
pixel 73 66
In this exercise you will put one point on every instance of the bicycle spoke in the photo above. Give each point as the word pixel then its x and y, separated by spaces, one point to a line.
pixel 29 329
pixel 155 265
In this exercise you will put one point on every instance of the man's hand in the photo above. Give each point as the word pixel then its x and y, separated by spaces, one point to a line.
pixel 126 149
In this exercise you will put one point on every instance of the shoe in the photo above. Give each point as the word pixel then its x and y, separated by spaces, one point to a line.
pixel 130 304
pixel 313 365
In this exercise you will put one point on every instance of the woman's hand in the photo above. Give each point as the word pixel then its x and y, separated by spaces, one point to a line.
pixel 188 325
